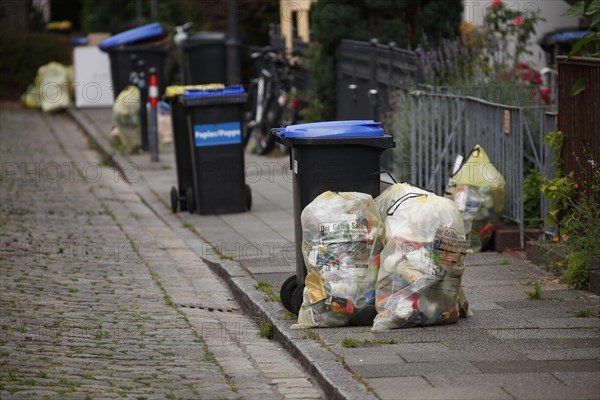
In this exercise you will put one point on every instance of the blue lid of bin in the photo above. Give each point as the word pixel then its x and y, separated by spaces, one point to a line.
pixel 332 129
pixel 230 91
pixel 79 41
pixel 144 32
pixel 567 36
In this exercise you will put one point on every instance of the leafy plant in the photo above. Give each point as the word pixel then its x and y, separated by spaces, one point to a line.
pixel 350 343
pixel 578 270
pixel 267 288
pixel 586 314
pixel 560 190
pixel 509 31
pixel 590 43
pixel 312 335
pixel 536 293
pixel 532 185
pixel 265 329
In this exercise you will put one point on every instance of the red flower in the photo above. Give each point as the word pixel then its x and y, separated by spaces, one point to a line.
pixel 545 96
pixel 496 3
pixel 518 21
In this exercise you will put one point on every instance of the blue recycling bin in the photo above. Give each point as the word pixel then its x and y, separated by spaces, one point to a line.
pixel 338 156
pixel 215 119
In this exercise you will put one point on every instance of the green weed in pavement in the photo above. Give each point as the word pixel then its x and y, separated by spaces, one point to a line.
pixel 267 288
pixel 586 314
pixel 536 293
pixel 265 329
pixel 312 335
pixel 350 343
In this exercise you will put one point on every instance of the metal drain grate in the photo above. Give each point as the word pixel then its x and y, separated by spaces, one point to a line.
pixel 119 200
pixel 207 308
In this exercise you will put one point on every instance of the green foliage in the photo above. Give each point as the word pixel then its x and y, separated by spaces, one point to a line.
pixel 265 329
pixel 560 190
pixel 267 288
pixel 350 343
pixel 536 293
pixel 22 54
pixel 406 22
pixel 583 227
pixel 531 198
pixel 312 335
pixel 578 270
pixel 116 16
pixel 589 45
pixel 512 29
pixel 586 314
pixel 556 140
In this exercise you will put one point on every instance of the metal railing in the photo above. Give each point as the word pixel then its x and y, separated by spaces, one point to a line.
pixel 444 126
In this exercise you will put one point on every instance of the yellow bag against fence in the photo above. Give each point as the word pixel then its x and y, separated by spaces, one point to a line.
pixel 478 189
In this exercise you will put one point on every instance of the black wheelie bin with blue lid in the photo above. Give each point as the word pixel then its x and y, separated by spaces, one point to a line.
pixel 214 120
pixel 338 156
pixel 181 141
pixel 147 43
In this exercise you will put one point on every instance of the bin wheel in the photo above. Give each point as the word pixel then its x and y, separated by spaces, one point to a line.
pixel 287 291
pixel 297 299
pixel 248 197
pixel 189 200
pixel 174 199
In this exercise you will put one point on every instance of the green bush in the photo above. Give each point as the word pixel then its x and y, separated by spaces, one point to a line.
pixel 22 54
pixel 578 270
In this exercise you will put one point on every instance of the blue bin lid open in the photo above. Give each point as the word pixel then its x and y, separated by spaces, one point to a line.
pixel 230 91
pixel 143 32
pixel 331 129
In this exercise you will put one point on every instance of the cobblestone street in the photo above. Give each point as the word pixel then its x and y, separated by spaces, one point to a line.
pixel 101 299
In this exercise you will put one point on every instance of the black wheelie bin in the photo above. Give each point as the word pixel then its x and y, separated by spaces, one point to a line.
pixel 215 119
pixel 339 156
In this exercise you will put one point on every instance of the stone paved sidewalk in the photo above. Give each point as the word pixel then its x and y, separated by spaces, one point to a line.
pixel 100 298
pixel 511 348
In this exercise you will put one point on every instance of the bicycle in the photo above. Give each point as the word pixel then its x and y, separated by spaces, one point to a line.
pixel 271 99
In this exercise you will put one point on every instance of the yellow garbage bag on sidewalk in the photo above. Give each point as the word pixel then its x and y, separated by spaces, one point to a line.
pixel 126 117
pixel 52 88
pixel 342 236
pixel 419 280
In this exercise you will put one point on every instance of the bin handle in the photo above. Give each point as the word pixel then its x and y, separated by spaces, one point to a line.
pixel 389 174
pixel 278 132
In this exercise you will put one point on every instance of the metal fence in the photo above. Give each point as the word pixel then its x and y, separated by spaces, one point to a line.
pixel 444 126
pixel 368 73
pixel 276 41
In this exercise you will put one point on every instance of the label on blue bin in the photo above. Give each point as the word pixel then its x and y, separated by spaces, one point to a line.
pixel 218 134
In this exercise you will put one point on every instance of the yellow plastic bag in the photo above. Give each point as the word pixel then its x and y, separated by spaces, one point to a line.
pixel 52 89
pixel 126 117
pixel 478 190
pixel 419 281
pixel 342 236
